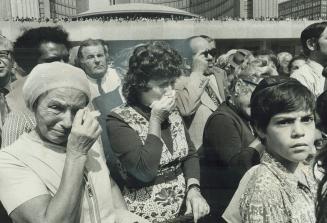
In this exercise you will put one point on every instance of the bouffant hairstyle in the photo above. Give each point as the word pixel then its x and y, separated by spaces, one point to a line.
pixel 26 48
pixel 152 61
pixel 276 95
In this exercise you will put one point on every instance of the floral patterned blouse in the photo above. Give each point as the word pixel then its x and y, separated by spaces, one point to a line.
pixel 274 195
pixel 145 156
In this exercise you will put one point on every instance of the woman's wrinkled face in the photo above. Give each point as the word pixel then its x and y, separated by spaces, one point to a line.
pixel 241 98
pixel 156 89
pixel 55 112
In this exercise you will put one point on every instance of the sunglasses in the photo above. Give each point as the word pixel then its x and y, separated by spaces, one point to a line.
pixel 212 52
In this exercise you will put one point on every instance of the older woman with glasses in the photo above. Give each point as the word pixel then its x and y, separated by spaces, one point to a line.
pixel 158 162
pixel 229 143
pixel 57 172
pixel 282 188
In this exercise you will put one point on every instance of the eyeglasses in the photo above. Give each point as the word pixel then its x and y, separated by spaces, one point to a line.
pixel 212 52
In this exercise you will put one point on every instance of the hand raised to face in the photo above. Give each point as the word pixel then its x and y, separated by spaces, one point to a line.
pixel 85 131
pixel 163 107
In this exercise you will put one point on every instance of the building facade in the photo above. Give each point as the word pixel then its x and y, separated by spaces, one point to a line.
pixel 206 8
pixel 62 8
pixel 19 8
pixel 37 8
pixel 262 8
pixel 311 9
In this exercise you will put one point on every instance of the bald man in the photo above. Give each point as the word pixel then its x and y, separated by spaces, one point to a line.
pixel 200 94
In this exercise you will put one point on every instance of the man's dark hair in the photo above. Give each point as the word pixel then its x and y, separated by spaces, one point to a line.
pixel 276 95
pixel 314 32
pixel 27 46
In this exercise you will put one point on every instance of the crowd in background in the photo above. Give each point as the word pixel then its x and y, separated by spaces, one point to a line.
pixel 153 135
pixel 140 18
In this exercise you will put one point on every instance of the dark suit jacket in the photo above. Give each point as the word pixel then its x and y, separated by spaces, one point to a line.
pixel 104 104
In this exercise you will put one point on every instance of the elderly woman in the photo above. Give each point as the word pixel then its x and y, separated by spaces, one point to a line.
pixel 228 133
pixel 229 144
pixel 57 172
pixel 158 161
pixel 282 188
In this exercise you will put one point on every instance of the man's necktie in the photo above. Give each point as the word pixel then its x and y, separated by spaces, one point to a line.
pixel 212 94
pixel 4 108
pixel 101 91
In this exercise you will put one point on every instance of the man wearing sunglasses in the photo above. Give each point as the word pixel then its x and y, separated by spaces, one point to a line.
pixel 34 46
pixel 199 94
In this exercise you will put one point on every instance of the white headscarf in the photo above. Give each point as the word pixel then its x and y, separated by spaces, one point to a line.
pixel 49 76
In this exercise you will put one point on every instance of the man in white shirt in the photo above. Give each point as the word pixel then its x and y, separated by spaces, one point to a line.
pixel 106 90
pixel 92 57
pixel 6 64
pixel 314 44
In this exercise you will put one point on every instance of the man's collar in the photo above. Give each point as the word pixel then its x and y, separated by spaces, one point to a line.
pixel 287 178
pixel 315 65
pixel 94 80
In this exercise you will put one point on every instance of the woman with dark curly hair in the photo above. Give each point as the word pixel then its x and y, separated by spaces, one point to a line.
pixel 158 161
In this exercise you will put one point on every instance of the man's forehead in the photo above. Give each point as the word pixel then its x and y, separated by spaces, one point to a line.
pixel 92 49
pixel 51 47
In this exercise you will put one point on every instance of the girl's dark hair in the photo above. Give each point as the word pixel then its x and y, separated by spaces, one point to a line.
pixel 321 161
pixel 321 203
pixel 276 95
pixel 321 107
pixel 152 61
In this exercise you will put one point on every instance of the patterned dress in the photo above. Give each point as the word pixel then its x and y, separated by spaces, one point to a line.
pixel 162 201
pixel 274 195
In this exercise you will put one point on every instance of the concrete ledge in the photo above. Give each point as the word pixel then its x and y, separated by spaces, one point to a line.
pixel 145 30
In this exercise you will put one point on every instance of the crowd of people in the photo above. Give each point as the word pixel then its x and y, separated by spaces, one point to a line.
pixel 154 135
pixel 140 18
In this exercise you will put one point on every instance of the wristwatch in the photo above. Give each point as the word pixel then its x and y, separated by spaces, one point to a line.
pixel 195 186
